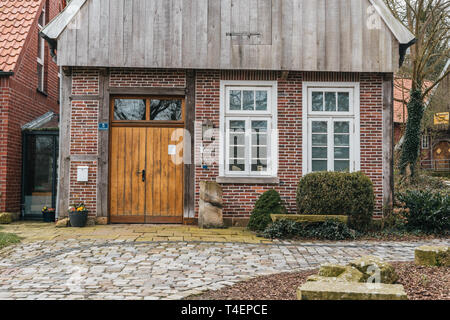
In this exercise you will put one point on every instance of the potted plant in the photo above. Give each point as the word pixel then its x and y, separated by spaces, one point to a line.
pixel 78 215
pixel 48 214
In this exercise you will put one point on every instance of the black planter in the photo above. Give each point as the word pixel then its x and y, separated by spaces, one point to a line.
pixel 78 218
pixel 48 216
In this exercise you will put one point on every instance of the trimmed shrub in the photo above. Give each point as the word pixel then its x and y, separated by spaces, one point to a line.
pixel 339 193
pixel 329 230
pixel 426 211
pixel 268 203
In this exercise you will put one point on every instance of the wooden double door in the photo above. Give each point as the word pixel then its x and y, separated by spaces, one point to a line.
pixel 146 174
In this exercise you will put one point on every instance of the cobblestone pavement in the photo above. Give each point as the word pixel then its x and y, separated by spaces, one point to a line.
pixel 119 269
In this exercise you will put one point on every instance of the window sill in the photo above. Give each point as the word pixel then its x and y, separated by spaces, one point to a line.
pixel 248 180
pixel 42 92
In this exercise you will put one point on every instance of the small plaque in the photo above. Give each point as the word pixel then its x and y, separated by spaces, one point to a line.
pixel 103 126
pixel 441 118
pixel 172 149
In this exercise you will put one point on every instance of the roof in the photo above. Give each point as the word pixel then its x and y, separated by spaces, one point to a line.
pixel 402 88
pixel 16 19
pixel 46 121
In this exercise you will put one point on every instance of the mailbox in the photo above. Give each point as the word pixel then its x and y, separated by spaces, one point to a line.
pixel 82 173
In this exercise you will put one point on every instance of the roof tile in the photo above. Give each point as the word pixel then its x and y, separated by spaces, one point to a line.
pixel 16 18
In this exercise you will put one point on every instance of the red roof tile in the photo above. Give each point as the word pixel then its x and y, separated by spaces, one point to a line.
pixel 402 88
pixel 16 18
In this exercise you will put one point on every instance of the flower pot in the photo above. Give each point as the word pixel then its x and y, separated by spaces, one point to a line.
pixel 48 216
pixel 78 218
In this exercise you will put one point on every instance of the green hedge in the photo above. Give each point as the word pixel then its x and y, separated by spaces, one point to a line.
pixel 337 193
pixel 268 203
pixel 329 230
pixel 427 211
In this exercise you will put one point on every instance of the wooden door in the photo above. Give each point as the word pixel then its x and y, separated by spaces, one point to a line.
pixel 441 155
pixel 146 167
pixel 164 193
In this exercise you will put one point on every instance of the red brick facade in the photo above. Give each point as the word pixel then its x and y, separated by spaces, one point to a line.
pixel 20 103
pixel 239 199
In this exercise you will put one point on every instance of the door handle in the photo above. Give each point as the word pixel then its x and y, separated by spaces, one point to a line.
pixel 143 175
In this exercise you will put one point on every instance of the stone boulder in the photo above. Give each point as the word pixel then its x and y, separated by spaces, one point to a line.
pixel 432 256
pixel 210 205
pixel 62 223
pixel 372 266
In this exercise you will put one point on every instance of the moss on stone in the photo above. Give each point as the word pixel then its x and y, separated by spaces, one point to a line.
pixel 6 218
pixel 372 266
pixel 331 270
pixel 351 274
pixel 432 256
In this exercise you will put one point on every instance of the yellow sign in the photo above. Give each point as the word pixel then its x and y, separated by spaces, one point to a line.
pixel 441 118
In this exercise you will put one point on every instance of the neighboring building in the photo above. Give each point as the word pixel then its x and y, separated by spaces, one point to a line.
pixel 435 139
pixel 288 87
pixel 435 147
pixel 28 85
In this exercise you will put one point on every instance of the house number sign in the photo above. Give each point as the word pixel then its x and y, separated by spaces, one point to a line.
pixel 102 126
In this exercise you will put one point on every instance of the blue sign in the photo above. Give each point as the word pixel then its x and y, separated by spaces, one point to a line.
pixel 103 126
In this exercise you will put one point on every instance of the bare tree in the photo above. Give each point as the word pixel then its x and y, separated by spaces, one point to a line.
pixel 429 21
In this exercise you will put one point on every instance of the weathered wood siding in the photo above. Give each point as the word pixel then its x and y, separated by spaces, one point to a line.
pixel 319 35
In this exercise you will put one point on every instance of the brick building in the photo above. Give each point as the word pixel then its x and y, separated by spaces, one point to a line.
pixel 29 85
pixel 160 95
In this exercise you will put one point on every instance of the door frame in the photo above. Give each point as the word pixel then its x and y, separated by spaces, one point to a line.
pixel 144 124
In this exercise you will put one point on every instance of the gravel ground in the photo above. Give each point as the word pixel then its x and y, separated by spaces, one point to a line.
pixel 420 283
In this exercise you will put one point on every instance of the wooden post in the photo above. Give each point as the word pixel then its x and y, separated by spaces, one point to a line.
pixel 388 141
pixel 62 197
pixel 103 145
pixel 189 169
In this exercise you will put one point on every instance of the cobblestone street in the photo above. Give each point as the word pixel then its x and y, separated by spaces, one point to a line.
pixel 119 269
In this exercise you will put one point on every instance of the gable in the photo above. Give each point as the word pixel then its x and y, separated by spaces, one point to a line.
pixel 322 35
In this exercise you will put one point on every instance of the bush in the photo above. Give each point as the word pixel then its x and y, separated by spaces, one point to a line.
pixel 340 193
pixel 426 211
pixel 268 203
pixel 328 230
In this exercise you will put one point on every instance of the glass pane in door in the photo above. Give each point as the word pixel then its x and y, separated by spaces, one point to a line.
pixel 38 188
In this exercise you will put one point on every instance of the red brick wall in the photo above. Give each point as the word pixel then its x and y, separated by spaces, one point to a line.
pixel 239 199
pixel 85 192
pixel 24 105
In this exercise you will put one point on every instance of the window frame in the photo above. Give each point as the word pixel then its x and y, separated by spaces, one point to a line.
pixel 353 115
pixel 41 59
pixel 269 115
pixel 148 100
pixel 425 142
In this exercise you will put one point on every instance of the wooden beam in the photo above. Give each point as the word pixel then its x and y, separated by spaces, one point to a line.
pixel 62 198
pixel 103 147
pixel 175 91
pixel 189 166
pixel 388 141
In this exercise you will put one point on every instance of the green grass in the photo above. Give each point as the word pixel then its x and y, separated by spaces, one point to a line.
pixel 7 239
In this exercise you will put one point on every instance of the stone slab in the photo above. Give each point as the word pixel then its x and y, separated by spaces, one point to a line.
pixel 317 290
pixel 432 256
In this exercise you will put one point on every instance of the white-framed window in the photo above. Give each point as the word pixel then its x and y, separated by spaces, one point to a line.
pixel 41 53
pixel 248 129
pixel 425 141
pixel 331 127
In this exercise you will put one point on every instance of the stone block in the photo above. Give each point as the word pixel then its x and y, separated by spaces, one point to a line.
pixel 210 205
pixel 90 222
pixel 337 290
pixel 432 256
pixel 101 220
pixel 351 274
pixel 372 266
pixel 62 223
